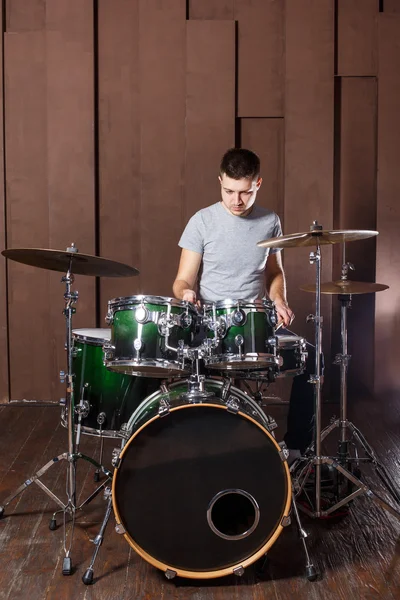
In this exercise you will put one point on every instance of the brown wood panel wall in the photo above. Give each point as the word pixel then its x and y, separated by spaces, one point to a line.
pixel 210 109
pixel 162 41
pixel 25 15
pixel 266 137
pixel 260 50
pixel 4 383
pixel 178 83
pixel 27 213
pixel 119 143
pixel 357 30
pixel 357 131
pixel 70 159
pixel 211 9
pixel 387 373
pixel 50 192
pixel 261 57
pixel 391 7
pixel 308 147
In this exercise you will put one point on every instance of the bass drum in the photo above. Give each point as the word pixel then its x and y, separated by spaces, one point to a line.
pixel 201 489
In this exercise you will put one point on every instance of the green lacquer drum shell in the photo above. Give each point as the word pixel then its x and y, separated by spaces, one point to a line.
pixel 247 335
pixel 106 399
pixel 146 330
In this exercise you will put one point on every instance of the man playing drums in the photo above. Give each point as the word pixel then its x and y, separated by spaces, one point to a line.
pixel 220 259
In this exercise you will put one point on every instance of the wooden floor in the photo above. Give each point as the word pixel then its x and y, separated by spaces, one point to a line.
pixel 357 557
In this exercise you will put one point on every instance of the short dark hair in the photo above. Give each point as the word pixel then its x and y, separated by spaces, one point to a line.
pixel 239 163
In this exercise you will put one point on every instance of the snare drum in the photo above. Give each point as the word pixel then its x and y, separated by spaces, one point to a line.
pixel 201 488
pixel 246 334
pixel 145 331
pixel 292 351
pixel 105 400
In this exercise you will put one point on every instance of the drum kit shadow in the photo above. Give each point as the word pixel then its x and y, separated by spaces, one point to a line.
pixel 187 487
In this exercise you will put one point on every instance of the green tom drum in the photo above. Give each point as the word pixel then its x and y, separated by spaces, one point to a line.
pixel 146 332
pixel 244 333
pixel 104 400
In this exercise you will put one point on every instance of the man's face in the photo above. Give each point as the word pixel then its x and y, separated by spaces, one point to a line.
pixel 239 195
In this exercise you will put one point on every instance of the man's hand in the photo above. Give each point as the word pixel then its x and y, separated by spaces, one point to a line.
pixel 190 296
pixel 285 314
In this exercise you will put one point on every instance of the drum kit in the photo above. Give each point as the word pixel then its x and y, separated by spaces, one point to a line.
pixel 188 491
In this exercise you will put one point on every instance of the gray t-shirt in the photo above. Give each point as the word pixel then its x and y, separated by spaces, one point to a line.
pixel 233 265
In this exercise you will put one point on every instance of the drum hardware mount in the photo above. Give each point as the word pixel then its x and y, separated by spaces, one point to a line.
pixel 196 388
pixel 72 455
pixel 313 458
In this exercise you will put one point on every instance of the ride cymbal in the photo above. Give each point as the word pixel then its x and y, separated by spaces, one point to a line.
pixel 317 236
pixel 346 287
pixel 59 260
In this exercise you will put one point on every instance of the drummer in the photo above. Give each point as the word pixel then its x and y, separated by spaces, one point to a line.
pixel 220 260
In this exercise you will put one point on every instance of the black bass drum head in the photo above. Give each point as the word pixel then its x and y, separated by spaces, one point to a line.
pixel 201 491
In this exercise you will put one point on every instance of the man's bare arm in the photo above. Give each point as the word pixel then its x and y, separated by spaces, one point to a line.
pixel 185 281
pixel 276 287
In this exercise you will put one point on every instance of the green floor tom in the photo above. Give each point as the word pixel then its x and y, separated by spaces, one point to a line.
pixel 104 400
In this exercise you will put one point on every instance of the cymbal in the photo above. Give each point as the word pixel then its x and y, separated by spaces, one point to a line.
pixel 311 238
pixel 81 264
pixel 346 287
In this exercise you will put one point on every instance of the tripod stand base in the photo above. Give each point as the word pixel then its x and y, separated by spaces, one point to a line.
pixel 360 488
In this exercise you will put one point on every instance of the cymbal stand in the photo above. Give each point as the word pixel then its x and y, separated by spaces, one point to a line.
pixel 302 468
pixel 72 455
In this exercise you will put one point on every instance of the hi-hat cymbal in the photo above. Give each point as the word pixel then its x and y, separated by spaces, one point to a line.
pixel 318 236
pixel 81 264
pixel 346 287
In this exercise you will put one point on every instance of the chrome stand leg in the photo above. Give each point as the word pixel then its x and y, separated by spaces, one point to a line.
pixel 98 540
pixel 311 572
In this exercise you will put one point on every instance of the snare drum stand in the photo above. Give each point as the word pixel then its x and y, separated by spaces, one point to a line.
pixel 72 455
pixel 313 459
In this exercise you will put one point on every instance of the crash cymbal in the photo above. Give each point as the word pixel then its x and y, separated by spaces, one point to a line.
pixel 81 264
pixel 346 287
pixel 320 236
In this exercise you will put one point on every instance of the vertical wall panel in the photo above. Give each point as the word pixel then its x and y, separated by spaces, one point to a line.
pixel 308 146
pixel 25 15
pixel 27 214
pixel 260 57
pixel 387 332
pixel 119 143
pixel 265 137
pixel 357 168
pixel 357 37
pixel 4 384
pixel 211 9
pixel 391 7
pixel 210 109
pixel 162 38
pixel 70 143
pixel 50 192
